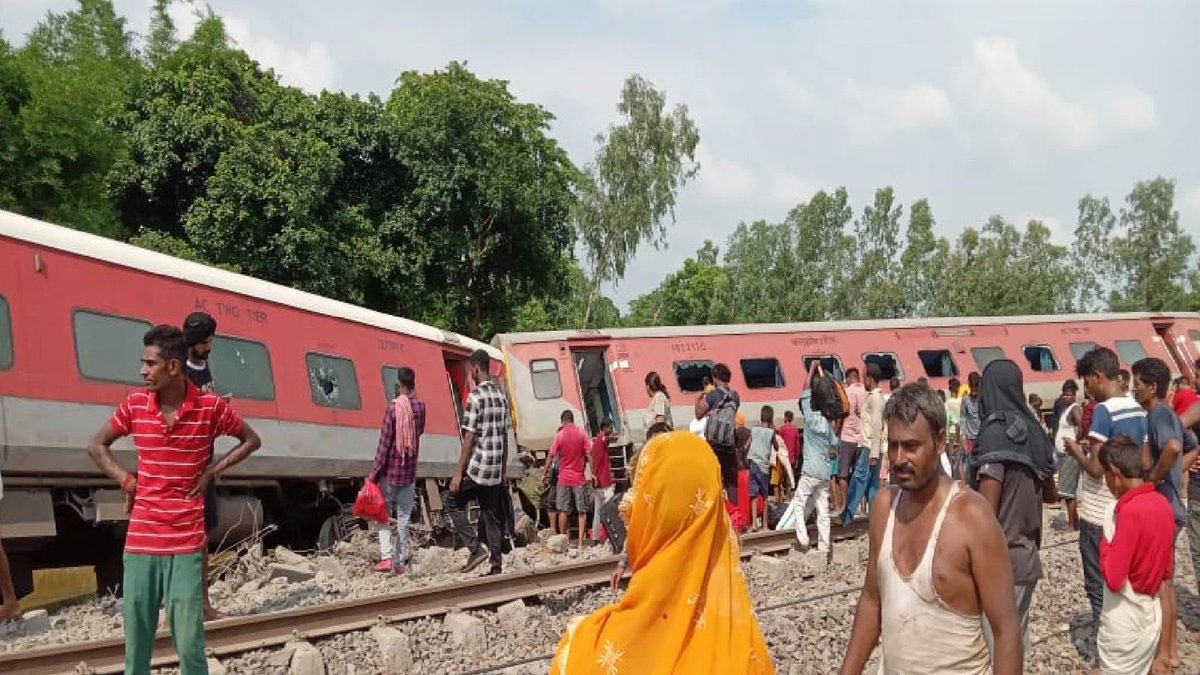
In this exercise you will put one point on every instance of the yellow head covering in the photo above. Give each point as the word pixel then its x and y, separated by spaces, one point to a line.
pixel 687 609
pixel 740 418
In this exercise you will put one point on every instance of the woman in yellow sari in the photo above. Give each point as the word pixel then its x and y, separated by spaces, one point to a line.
pixel 686 609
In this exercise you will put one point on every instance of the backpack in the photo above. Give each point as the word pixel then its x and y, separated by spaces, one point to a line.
pixel 722 422
pixel 829 398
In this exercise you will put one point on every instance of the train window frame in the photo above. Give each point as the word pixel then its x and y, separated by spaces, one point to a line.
pixel 1033 364
pixel 222 383
pixel 312 392
pixel 1194 336
pixel 1120 344
pixel 692 363
pixel 1078 353
pixel 7 352
pixel 897 368
pixel 838 373
pixel 533 378
pixel 940 352
pixel 996 353
pixel 779 381
pixel 143 327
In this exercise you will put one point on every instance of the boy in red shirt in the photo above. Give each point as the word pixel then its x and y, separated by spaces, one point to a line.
pixel 602 481
pixel 571 447
pixel 1135 559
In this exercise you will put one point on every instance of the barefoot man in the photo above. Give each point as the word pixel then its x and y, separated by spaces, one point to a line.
pixel 938 562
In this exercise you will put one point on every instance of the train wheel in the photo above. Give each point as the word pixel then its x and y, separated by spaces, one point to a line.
pixel 335 528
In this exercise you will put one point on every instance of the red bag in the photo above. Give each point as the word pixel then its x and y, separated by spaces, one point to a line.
pixel 370 504
pixel 735 517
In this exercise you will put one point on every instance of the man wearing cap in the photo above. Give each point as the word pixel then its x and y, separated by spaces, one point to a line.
pixel 198 331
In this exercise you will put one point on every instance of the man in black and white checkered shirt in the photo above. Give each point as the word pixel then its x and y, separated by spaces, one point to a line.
pixel 481 467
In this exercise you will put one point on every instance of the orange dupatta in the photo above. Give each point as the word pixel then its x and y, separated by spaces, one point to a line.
pixel 686 609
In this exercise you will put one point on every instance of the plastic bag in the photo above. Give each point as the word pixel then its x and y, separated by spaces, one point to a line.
pixel 370 504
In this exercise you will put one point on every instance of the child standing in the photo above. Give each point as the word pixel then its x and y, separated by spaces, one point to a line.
pixel 763 444
pixel 1135 560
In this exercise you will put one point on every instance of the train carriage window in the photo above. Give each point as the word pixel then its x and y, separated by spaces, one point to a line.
pixel 546 381
pixel 332 381
pixel 6 343
pixel 937 363
pixel 690 375
pixel 831 364
pixel 242 368
pixel 1078 349
pixel 1041 358
pixel 763 373
pixel 985 355
pixel 889 365
pixel 1194 336
pixel 1130 351
pixel 109 348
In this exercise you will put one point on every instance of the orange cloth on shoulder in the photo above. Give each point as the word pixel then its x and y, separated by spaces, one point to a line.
pixel 687 609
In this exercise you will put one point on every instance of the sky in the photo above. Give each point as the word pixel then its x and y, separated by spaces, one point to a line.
pixel 1008 107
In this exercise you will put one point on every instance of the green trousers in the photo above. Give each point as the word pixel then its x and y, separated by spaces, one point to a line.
pixel 173 581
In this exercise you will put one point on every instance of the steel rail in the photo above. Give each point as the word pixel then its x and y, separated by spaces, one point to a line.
pixel 257 631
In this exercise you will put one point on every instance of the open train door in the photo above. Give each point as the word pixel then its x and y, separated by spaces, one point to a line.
pixel 594 360
pixel 1181 359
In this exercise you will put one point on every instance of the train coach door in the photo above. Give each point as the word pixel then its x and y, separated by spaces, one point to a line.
pixel 1176 349
pixel 596 392
pixel 456 377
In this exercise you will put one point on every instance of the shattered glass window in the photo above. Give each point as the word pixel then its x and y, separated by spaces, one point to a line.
pixel 332 382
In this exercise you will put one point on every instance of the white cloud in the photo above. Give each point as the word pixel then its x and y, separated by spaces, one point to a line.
pixel 1189 207
pixel 1001 85
pixel 725 180
pixel 789 189
pixel 309 66
pixel 1128 108
pixel 874 112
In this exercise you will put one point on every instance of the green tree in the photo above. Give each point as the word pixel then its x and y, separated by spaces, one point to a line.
pixel 1092 254
pixel 488 194
pixel 629 189
pixel 687 297
pixel 1151 254
pixel 876 286
pixel 68 82
pixel 162 40
pixel 922 264
pixel 824 257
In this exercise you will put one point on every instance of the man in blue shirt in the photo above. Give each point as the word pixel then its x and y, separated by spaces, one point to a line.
pixel 820 444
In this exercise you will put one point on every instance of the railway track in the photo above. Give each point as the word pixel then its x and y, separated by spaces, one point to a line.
pixel 245 633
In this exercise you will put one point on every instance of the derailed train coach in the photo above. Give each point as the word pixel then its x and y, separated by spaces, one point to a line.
pixel 600 374
pixel 312 375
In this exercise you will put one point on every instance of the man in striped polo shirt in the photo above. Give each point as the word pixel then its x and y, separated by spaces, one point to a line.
pixel 1116 414
pixel 173 425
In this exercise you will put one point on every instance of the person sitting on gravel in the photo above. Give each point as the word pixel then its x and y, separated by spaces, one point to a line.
pixel 682 612
pixel 1135 559
pixel 938 563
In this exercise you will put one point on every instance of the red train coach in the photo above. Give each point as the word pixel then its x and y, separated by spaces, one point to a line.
pixel 601 374
pixel 312 375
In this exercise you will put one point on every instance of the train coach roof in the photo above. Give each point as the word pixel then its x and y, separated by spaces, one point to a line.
pixel 33 231
pixel 818 326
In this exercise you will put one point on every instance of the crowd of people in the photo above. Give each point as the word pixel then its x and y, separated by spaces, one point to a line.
pixel 953 484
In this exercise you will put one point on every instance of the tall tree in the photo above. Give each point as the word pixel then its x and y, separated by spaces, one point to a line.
pixel 877 293
pixel 1152 254
pixel 76 72
pixel 628 191
pixel 687 297
pixel 824 256
pixel 489 194
pixel 922 263
pixel 1092 255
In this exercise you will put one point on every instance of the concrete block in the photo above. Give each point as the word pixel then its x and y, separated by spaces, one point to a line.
pixel 215 667
pixel 288 557
pixel 558 543
pixel 513 615
pixel 394 648
pixel 466 631
pixel 293 573
pixel 774 569
pixel 845 553
pixel 283 657
pixel 60 585
pixel 37 621
pixel 330 566
pixel 307 660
